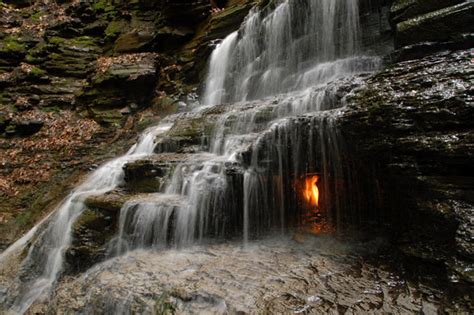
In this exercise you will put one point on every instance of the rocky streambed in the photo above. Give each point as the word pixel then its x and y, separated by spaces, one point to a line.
pixel 303 274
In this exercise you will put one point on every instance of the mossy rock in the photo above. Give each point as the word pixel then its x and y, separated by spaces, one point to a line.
pixel 38 53
pixel 438 26
pixel 133 42
pixel 92 220
pixel 187 134
pixel 110 202
pixel 149 175
pixel 103 6
pixel 115 28
pixel 91 233
pixel 74 57
pixel 12 45
pixel 164 104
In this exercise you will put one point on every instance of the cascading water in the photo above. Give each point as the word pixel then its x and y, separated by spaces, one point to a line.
pixel 296 46
pixel 258 149
pixel 44 262
pixel 284 56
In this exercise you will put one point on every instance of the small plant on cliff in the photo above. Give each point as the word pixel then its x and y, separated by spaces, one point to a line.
pixel 163 305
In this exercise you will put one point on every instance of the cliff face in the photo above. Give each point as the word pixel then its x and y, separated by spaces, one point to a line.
pixel 413 123
pixel 87 75
pixel 102 56
pixel 78 79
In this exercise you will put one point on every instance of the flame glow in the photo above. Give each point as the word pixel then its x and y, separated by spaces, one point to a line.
pixel 311 190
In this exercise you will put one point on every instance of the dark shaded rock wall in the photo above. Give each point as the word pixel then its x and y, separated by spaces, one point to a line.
pixel 412 123
pixel 425 26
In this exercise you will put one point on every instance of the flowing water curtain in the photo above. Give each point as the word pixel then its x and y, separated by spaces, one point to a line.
pixel 282 49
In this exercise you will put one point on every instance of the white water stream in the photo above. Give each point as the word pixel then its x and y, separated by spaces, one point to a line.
pixel 46 254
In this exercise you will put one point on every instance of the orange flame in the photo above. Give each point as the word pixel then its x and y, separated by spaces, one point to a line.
pixel 311 190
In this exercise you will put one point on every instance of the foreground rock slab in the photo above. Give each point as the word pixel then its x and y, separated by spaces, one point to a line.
pixel 314 275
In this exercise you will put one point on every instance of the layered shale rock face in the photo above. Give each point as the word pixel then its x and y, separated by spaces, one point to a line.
pixel 410 123
pixel 413 123
pixel 304 129
pixel 424 27
pixel 97 55
pixel 423 116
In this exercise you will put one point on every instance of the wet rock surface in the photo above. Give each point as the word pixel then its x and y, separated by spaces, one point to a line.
pixel 422 111
pixel 444 24
pixel 403 10
pixel 313 276
pixel 425 27
pixel 150 174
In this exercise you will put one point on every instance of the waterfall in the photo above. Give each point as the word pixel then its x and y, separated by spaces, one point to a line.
pixel 297 45
pixel 218 71
pixel 283 58
pixel 145 223
pixel 278 75
pixel 44 262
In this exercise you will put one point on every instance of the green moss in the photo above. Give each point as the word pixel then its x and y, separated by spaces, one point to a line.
pixel 103 6
pixel 115 28
pixel 37 71
pixel 30 59
pixel 36 16
pixel 56 40
pixel 39 49
pixel 12 44
pixel 83 41
pixel 77 41
pixel 24 218
pixel 99 5
pixel 10 128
